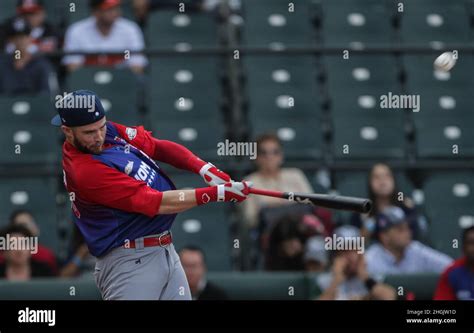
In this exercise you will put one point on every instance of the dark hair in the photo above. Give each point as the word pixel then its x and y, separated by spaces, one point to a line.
pixel 287 227
pixel 267 137
pixel 17 212
pixel 15 229
pixel 393 197
pixel 465 232
pixel 193 248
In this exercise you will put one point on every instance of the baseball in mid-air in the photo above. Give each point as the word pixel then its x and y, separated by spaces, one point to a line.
pixel 445 61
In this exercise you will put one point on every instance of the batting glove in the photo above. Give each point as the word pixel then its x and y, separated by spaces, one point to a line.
pixel 213 176
pixel 229 192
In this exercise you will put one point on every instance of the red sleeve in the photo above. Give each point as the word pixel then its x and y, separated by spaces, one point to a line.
pixel 444 291
pixel 106 186
pixel 161 150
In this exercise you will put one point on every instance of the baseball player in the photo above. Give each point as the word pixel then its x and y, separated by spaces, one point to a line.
pixel 125 205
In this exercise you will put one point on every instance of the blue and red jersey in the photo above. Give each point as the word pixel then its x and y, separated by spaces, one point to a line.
pixel 116 194
pixel 456 282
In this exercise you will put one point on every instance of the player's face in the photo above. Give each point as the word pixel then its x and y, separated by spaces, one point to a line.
pixel 90 138
pixel 382 181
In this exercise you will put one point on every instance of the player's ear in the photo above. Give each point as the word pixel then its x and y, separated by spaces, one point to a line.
pixel 67 131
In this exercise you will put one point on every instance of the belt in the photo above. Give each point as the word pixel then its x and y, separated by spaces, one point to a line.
pixel 162 240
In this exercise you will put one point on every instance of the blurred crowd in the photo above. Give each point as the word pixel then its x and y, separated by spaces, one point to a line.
pixel 28 64
pixel 283 236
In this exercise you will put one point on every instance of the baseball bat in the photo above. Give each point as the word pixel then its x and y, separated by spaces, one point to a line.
pixel 359 205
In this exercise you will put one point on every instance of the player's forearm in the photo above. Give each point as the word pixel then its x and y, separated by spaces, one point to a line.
pixel 177 201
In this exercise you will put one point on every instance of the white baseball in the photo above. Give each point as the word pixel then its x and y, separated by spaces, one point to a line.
pixel 445 61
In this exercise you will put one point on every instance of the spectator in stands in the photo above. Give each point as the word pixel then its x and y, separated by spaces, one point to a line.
pixel 383 192
pixel 44 255
pixel 194 265
pixel 457 281
pixel 396 252
pixel 348 278
pixel 315 255
pixel 286 244
pixel 43 34
pixel 105 31
pixel 270 175
pixel 18 265
pixel 80 260
pixel 24 71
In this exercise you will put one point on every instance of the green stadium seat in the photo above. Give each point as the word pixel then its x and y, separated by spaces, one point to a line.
pixel 181 110
pixel 363 129
pixel 421 74
pixel 360 72
pixel 262 285
pixel 117 89
pixel 177 92
pixel 7 9
pixel 50 289
pixel 356 23
pixel 37 194
pixel 183 31
pixel 275 23
pixel 448 203
pixel 421 285
pixel 435 21
pixel 206 227
pixel 284 98
pixel 443 125
pixel 25 130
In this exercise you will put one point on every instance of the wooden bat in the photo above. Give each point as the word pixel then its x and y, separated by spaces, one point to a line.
pixel 354 204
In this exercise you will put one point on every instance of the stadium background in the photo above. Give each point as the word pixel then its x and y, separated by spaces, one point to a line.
pixel 336 103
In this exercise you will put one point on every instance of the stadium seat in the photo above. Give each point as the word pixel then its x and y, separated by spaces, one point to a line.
pixel 443 129
pixel 25 130
pixel 117 89
pixel 277 23
pixel 7 10
pixel 448 203
pixel 183 31
pixel 184 103
pixel 284 98
pixel 263 285
pixel 435 21
pixel 50 289
pixel 37 194
pixel 183 88
pixel 420 73
pixel 356 23
pixel 360 72
pixel 363 129
pixel 421 285
pixel 206 227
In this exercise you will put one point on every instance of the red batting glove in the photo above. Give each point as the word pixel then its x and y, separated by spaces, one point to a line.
pixel 229 192
pixel 213 176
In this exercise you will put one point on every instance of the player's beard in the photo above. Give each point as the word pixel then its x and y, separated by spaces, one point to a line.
pixel 84 149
